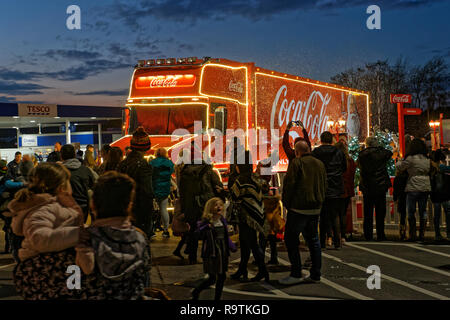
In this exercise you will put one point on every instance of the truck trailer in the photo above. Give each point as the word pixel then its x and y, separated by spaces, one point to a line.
pixel 167 95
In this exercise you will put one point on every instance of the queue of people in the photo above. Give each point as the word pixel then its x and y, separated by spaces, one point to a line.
pixel 103 218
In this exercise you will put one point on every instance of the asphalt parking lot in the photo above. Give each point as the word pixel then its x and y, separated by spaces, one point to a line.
pixel 408 271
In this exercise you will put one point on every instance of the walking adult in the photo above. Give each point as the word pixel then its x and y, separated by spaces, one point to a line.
pixel 375 182
pixel 238 148
pixel 162 174
pixel 55 156
pixel 345 220
pixel 440 195
pixel 247 194
pixel 140 170
pixel 335 165
pixel 304 191
pixel 89 160
pixel 198 184
pixel 418 186
pixel 81 178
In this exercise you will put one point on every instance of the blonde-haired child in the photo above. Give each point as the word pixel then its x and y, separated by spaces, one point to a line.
pixel 216 247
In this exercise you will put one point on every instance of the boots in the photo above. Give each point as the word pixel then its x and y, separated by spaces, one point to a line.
pixel 402 232
pixel 423 224
pixel 412 229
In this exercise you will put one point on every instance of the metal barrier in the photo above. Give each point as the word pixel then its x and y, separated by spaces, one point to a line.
pixel 392 216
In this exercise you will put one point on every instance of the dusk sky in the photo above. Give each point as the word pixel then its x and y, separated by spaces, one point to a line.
pixel 42 61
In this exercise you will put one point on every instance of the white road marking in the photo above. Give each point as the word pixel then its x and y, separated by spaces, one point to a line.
pixel 397 281
pixel 277 293
pixel 445 273
pixel 334 285
pixel 267 295
pixel 400 244
pixel 428 250
pixel 7 266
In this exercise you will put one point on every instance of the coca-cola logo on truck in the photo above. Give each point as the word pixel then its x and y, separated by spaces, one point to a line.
pixel 312 112
pixel 236 86
pixel 165 81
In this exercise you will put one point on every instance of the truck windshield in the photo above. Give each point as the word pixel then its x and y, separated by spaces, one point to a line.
pixel 162 120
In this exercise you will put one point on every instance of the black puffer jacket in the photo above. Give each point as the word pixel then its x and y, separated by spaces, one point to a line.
pixel 140 170
pixel 198 184
pixel 81 180
pixel 372 162
pixel 335 164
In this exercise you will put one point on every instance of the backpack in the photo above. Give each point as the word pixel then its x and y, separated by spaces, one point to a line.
pixel 440 187
pixel 193 184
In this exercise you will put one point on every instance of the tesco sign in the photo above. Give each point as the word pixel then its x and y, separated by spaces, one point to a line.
pixel 37 110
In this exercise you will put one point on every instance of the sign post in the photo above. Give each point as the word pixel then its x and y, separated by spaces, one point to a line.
pixel 400 99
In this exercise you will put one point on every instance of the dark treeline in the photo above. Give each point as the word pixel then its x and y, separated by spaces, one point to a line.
pixel 428 84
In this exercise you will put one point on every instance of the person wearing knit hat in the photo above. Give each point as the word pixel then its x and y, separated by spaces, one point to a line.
pixel 138 168
pixel 140 140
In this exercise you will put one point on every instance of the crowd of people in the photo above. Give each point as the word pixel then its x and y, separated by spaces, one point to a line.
pixel 72 210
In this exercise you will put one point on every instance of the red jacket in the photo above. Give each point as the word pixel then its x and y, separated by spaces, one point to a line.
pixel 349 179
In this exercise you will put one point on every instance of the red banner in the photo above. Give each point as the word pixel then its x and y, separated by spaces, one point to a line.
pixel 412 111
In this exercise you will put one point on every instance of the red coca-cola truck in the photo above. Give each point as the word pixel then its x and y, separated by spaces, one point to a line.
pixel 170 94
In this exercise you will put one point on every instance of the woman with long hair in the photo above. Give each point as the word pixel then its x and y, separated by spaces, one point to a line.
pixel 349 191
pixel 418 185
pixel 49 219
pixel 113 158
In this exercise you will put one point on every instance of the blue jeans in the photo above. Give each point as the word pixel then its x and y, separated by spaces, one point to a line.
pixel 297 223
pixel 417 197
pixel 437 216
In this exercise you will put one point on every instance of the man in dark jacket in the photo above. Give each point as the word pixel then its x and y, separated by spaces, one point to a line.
pixel 335 164
pixel 198 184
pixel 140 170
pixel 374 184
pixel 304 190
pixel 13 171
pixel 55 156
pixel 81 178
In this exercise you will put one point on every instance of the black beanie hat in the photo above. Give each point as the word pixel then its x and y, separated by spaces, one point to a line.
pixel 140 140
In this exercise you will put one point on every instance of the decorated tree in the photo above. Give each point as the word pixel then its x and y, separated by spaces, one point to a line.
pixel 385 139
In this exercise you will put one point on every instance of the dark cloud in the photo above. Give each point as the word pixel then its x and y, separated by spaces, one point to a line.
pixel 7 99
pixel 88 69
pixel 82 71
pixel 14 88
pixel 183 47
pixel 79 55
pixel 7 74
pixel 117 50
pixel 193 10
pixel 120 92
pixel 14 100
